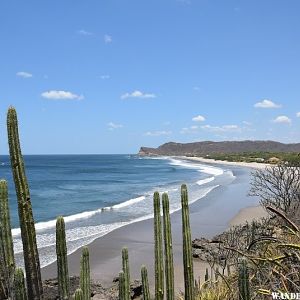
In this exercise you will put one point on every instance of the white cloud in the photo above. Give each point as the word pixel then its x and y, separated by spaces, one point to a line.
pixel 104 77
pixel 282 119
pixel 298 114
pixel 84 32
pixel 137 94
pixel 266 104
pixel 107 39
pixel 224 128
pixel 158 133
pixel 198 118
pixel 24 74
pixel 112 126
pixel 61 95
pixel 247 123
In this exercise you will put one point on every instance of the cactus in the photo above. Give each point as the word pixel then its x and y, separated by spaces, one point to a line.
pixel 85 279
pixel 158 250
pixel 31 257
pixel 19 285
pixel 244 289
pixel 78 295
pixel 122 293
pixel 7 250
pixel 62 260
pixel 125 266
pixel 169 268
pixel 145 283
pixel 187 246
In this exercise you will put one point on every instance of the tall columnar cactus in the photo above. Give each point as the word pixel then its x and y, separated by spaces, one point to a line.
pixel 122 292
pixel 158 249
pixel 145 283
pixel 126 271
pixel 31 256
pixel 7 248
pixel 187 246
pixel 169 267
pixel 19 285
pixel 85 275
pixel 62 260
pixel 244 285
pixel 78 295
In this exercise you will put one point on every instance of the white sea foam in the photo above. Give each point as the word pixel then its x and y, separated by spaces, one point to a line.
pixel 129 202
pixel 201 168
pixel 205 180
pixel 84 215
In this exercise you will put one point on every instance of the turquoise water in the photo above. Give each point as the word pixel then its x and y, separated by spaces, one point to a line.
pixel 99 193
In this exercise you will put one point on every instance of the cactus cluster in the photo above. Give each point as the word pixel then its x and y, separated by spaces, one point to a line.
pixel 12 282
pixel 12 285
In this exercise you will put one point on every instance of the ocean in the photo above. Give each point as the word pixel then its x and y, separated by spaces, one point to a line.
pixel 99 193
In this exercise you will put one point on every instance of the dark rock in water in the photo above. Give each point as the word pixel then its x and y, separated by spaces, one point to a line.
pixel 98 291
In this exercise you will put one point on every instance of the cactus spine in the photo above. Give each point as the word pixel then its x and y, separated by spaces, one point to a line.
pixel 169 268
pixel 78 294
pixel 62 260
pixel 244 289
pixel 145 283
pixel 7 251
pixel 19 285
pixel 85 280
pixel 31 257
pixel 122 293
pixel 187 246
pixel 125 266
pixel 158 250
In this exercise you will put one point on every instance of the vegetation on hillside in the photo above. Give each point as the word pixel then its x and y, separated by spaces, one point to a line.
pixel 259 157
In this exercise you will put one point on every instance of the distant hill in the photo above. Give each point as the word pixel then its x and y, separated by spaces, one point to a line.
pixel 209 148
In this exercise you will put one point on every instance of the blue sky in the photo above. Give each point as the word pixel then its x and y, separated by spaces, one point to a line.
pixel 110 76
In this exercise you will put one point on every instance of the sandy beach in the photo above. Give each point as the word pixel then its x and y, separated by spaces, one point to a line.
pixel 224 206
pixel 253 165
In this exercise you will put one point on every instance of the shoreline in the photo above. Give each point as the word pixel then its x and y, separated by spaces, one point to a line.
pixel 253 165
pixel 208 217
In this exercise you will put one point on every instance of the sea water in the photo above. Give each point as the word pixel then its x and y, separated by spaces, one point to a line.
pixel 99 193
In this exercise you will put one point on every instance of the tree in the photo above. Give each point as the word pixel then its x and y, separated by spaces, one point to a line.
pixel 279 186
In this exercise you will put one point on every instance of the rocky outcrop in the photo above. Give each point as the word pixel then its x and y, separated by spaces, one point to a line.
pixel 98 292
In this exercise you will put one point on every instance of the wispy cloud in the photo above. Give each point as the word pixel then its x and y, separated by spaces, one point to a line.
pixel 84 32
pixel 107 39
pixel 138 94
pixel 199 118
pixel 104 77
pixel 247 123
pixel 158 133
pixel 24 74
pixel 298 114
pixel 112 126
pixel 61 95
pixel 266 104
pixel 224 128
pixel 189 130
pixel 283 120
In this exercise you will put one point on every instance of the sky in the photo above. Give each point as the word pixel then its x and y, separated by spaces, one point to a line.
pixel 110 76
